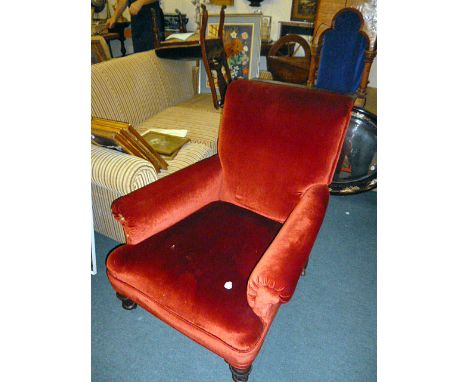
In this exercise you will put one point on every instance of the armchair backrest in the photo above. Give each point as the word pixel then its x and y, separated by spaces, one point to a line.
pixel 278 140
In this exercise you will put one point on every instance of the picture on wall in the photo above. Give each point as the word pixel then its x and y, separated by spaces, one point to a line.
pixel 303 10
pixel 242 42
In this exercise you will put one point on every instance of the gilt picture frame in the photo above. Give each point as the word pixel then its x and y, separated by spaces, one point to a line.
pixel 222 2
pixel 242 43
pixel 303 10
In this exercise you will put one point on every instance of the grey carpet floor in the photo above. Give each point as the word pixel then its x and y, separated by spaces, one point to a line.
pixel 327 332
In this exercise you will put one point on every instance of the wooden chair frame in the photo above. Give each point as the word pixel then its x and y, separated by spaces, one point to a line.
pixel 210 50
pixel 215 58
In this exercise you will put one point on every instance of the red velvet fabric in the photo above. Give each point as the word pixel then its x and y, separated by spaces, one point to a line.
pixel 276 141
pixel 222 219
pixel 184 268
pixel 275 277
pixel 159 205
pixel 236 358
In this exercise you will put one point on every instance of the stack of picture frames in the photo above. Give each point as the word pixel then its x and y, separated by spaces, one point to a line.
pixel 123 137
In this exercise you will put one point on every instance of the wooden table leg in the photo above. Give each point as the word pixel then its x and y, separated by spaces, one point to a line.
pixel 122 42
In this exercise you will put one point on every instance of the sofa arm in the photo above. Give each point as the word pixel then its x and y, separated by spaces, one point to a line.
pixel 118 171
pixel 161 204
pixel 275 277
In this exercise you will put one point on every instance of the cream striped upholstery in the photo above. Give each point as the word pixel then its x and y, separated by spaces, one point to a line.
pixel 202 126
pixel 103 101
pixel 201 102
pixel 115 174
pixel 104 222
pixel 188 155
pixel 265 75
pixel 143 90
pixel 118 171
pixel 134 88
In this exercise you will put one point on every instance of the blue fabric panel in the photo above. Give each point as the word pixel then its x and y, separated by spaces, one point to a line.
pixel 342 55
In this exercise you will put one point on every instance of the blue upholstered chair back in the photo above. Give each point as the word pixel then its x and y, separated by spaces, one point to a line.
pixel 342 54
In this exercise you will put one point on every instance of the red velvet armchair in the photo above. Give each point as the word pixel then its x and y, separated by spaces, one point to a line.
pixel 214 249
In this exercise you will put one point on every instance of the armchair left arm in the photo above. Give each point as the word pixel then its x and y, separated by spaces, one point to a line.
pixel 159 205
pixel 275 277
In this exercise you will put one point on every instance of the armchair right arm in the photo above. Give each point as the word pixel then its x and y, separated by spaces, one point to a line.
pixel 275 277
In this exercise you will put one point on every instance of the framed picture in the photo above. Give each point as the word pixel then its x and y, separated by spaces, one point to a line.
pixel 303 10
pixel 242 42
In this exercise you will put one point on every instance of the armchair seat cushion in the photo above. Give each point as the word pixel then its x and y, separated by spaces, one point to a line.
pixel 180 275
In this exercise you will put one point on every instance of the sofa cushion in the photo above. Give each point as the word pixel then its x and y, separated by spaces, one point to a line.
pixel 189 154
pixel 197 270
pixel 201 102
pixel 202 125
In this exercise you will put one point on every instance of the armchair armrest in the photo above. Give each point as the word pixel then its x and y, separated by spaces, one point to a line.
pixel 120 172
pixel 159 205
pixel 275 277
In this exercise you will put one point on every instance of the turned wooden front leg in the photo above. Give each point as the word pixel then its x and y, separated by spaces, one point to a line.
pixel 240 375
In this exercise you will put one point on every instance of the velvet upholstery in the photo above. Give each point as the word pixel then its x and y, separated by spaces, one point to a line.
pixel 342 54
pixel 185 267
pixel 269 131
pixel 163 203
pixel 249 216
pixel 275 277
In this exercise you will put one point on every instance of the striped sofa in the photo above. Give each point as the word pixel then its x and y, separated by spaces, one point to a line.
pixel 146 92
